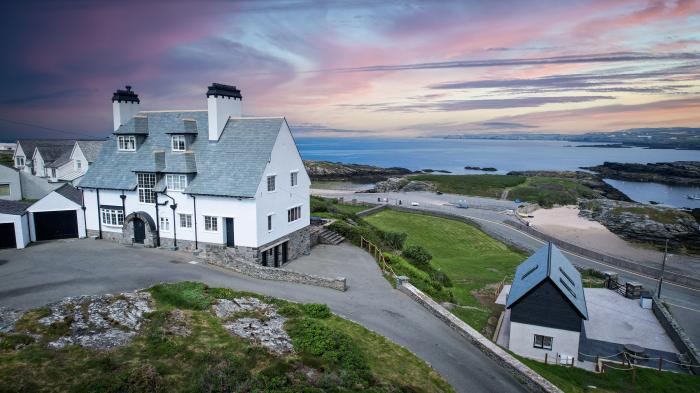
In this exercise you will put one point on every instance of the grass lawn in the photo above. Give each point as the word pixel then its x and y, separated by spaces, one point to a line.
pixel 470 258
pixel 331 354
pixel 490 186
pixel 548 191
pixel 575 380
pixel 6 158
pixel 330 208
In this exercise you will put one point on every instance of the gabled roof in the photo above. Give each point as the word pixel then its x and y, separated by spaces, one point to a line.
pixel 15 208
pixel 90 149
pixel 71 193
pixel 232 166
pixel 548 263
pixel 29 145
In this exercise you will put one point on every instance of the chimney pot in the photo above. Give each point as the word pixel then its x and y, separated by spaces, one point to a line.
pixel 125 104
pixel 221 107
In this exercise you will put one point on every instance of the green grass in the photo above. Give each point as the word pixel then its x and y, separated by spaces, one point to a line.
pixel 664 216
pixel 330 208
pixel 470 258
pixel 490 186
pixel 332 354
pixel 576 380
pixel 6 158
pixel 549 191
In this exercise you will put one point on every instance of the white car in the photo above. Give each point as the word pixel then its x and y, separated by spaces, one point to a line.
pixel 415 204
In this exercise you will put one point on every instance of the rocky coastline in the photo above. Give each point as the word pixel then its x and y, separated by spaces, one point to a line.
pixel 584 178
pixel 337 171
pixel 683 173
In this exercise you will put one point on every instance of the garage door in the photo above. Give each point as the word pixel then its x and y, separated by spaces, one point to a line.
pixel 7 236
pixel 56 225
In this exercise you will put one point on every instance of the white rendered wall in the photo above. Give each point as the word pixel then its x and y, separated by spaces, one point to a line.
pixel 220 109
pixel 285 158
pixel 56 202
pixel 122 112
pixel 38 163
pixel 21 228
pixel 522 338
pixel 20 152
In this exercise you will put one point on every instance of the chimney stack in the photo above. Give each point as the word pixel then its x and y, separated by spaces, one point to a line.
pixel 223 101
pixel 125 104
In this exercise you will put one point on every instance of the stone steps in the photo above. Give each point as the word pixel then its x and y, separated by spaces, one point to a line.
pixel 329 237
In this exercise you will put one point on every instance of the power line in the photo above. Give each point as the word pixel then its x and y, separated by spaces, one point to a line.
pixel 47 128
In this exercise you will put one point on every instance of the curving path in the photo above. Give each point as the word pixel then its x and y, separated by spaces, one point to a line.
pixel 49 271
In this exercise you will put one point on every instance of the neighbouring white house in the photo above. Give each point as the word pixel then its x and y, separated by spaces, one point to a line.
pixel 546 307
pixel 209 180
pixel 57 160
pixel 14 224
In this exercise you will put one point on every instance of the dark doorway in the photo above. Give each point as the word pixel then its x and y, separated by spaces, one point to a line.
pixel 56 225
pixel 277 256
pixel 139 230
pixel 264 258
pixel 284 252
pixel 7 236
pixel 229 232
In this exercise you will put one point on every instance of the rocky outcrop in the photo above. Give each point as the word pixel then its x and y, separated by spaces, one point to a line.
pixel 396 184
pixel 685 173
pixel 592 181
pixel 646 224
pixel 325 170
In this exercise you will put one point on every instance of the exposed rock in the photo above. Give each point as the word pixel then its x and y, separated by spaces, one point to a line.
pixel 325 170
pixel 98 322
pixel 592 181
pixel 415 185
pixel 643 223
pixel 685 173
pixel 392 184
pixel 8 318
pixel 268 330
pixel 178 323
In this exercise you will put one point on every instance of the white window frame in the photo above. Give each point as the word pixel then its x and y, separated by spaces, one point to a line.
pixel 176 182
pixel 146 194
pixel 19 161
pixel 293 214
pixel 178 143
pixel 188 220
pixel 9 189
pixel 126 143
pixel 164 224
pixel 542 340
pixel 112 217
pixel 294 178
pixel 78 164
pixel 270 221
pixel 212 223
pixel 272 177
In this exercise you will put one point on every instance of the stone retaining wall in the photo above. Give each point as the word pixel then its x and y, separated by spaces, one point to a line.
pixel 277 274
pixel 371 210
pixel 533 381
pixel 676 333
pixel 650 271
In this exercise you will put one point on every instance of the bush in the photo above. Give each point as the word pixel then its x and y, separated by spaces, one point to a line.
pixel 420 279
pixel 440 277
pixel 186 295
pixel 316 310
pixel 418 255
pixel 395 239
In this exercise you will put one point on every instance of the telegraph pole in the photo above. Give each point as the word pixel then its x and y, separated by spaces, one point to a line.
pixel 663 266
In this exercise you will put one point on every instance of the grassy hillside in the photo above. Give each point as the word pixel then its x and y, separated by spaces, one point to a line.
pixel 490 186
pixel 472 260
pixel 549 191
pixel 330 354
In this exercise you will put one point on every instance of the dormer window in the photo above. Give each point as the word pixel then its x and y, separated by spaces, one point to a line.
pixel 178 142
pixel 126 142
pixel 176 182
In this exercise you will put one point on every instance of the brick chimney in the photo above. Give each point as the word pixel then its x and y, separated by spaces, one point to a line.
pixel 125 104
pixel 223 101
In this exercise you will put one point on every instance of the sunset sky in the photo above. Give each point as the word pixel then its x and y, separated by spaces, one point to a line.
pixel 357 68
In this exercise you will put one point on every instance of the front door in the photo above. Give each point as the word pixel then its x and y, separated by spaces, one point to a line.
pixel 277 256
pixel 284 252
pixel 139 230
pixel 229 232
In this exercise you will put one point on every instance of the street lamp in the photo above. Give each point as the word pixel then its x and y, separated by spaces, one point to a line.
pixel 663 267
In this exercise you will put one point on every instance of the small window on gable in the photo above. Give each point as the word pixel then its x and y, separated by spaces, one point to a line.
pixel 178 143
pixel 269 222
pixel 271 183
pixel 19 161
pixel 126 143
pixel 78 164
pixel 294 178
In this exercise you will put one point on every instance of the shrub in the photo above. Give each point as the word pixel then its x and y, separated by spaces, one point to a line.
pixel 187 295
pixel 289 310
pixel 316 310
pixel 395 239
pixel 417 254
pixel 440 277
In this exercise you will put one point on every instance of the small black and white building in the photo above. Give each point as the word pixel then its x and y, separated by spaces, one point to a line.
pixel 14 224
pixel 546 306
pixel 58 215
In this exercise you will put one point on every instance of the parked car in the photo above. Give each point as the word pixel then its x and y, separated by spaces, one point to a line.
pixel 415 204
pixel 462 204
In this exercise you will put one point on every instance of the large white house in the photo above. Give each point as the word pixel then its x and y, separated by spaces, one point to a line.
pixel 200 179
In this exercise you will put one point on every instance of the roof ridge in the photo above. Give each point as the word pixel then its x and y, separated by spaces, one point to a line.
pixel 549 259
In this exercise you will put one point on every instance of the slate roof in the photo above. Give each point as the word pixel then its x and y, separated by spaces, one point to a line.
pixel 71 193
pixel 90 149
pixel 15 208
pixel 232 166
pixel 549 263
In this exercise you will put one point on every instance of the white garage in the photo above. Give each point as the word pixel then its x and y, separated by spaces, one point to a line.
pixel 58 215
pixel 14 224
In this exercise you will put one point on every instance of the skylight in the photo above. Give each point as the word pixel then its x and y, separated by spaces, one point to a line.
pixel 529 272
pixel 568 288
pixel 573 284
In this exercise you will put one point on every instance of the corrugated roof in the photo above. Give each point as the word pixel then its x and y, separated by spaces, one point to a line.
pixel 232 166
pixel 15 208
pixel 549 263
pixel 71 193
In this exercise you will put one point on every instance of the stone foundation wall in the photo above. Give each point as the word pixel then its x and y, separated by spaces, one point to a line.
pixel 111 236
pixel 676 332
pixel 528 377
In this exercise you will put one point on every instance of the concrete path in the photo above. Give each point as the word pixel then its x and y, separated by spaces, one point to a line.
pixel 49 271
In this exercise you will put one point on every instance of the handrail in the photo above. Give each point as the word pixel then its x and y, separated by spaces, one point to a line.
pixel 378 255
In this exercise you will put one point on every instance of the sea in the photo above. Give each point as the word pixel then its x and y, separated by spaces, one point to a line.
pixel 504 155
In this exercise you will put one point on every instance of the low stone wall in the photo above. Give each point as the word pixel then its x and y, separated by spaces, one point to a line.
pixel 277 274
pixel 650 271
pixel 371 210
pixel 533 381
pixel 676 333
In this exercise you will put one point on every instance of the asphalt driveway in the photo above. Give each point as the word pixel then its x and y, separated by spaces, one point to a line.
pixel 49 271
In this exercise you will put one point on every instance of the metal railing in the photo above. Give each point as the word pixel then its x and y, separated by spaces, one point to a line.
pixel 378 256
